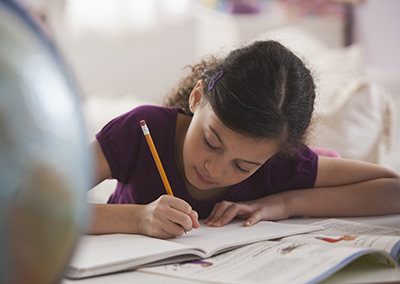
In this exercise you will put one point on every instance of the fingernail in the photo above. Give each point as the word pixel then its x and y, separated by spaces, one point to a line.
pixel 217 224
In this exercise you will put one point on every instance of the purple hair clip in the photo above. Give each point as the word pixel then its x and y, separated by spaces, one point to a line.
pixel 214 79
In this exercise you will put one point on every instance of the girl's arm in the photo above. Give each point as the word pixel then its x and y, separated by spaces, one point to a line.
pixel 349 188
pixel 343 188
pixel 165 217
pixel 102 170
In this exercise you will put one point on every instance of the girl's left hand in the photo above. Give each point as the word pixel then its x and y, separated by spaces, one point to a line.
pixel 267 208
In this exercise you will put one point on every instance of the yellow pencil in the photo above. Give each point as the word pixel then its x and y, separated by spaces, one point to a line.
pixel 153 150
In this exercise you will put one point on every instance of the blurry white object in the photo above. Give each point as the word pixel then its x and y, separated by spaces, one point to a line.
pixel 217 31
pixel 119 17
pixel 354 115
pixel 44 162
pixel 99 109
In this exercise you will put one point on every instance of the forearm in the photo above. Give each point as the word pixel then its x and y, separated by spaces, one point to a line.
pixel 373 197
pixel 114 218
pixel 342 188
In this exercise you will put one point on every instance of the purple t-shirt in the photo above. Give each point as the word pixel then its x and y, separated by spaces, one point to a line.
pixel 139 182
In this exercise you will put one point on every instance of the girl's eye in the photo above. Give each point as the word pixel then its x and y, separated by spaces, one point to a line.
pixel 241 169
pixel 209 145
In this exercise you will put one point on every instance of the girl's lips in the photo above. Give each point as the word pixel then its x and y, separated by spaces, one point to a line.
pixel 202 179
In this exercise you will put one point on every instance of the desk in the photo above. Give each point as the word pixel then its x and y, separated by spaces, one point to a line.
pixel 353 273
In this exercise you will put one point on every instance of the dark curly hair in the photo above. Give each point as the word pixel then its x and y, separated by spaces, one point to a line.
pixel 266 92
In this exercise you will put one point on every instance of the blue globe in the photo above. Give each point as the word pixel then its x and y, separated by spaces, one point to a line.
pixel 44 165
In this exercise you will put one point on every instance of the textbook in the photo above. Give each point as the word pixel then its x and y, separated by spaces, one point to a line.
pixel 103 254
pixel 305 258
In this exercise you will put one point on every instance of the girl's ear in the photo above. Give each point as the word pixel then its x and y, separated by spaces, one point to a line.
pixel 196 95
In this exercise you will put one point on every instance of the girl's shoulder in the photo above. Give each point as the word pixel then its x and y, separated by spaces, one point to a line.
pixel 160 120
pixel 153 112
pixel 122 138
pixel 155 116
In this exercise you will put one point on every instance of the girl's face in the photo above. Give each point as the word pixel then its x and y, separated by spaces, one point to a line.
pixel 215 156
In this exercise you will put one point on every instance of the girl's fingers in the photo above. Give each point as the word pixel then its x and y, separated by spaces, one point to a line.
pixel 227 216
pixel 160 228
pixel 185 221
pixel 176 227
pixel 205 221
pixel 173 229
pixel 165 235
pixel 195 219
pixel 253 219
pixel 224 213
pixel 212 214
pixel 179 212
pixel 177 203
pixel 217 212
pixel 167 218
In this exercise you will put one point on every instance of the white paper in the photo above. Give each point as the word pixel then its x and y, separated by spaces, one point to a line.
pixel 103 254
pixel 213 239
pixel 346 233
pixel 343 227
pixel 268 262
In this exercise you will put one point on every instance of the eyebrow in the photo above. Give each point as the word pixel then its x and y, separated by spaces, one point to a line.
pixel 219 138
pixel 223 145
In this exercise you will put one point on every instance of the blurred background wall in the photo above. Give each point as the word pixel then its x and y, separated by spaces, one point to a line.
pixel 376 24
pixel 140 47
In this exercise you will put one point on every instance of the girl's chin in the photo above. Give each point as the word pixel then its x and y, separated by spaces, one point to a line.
pixel 195 182
pixel 201 186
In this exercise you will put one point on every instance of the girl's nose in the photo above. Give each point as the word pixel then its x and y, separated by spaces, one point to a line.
pixel 214 167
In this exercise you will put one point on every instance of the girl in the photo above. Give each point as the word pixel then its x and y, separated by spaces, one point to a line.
pixel 232 144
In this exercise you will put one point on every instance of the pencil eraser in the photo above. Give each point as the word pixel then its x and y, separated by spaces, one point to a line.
pixel 144 127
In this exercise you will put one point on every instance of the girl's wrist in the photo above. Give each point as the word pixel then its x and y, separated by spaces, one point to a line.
pixel 291 206
pixel 301 202
pixel 131 218
pixel 289 203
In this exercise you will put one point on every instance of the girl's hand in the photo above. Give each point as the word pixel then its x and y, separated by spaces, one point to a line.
pixel 167 217
pixel 270 208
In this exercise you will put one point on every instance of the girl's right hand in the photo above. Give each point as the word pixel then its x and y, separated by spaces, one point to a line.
pixel 167 217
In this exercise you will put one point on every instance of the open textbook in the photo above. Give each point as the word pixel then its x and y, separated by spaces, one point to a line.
pixel 102 254
pixel 307 258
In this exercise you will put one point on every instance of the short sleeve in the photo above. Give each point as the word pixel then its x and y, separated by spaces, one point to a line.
pixel 120 140
pixel 125 146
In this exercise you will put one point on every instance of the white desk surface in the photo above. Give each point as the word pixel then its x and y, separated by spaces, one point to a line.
pixel 353 273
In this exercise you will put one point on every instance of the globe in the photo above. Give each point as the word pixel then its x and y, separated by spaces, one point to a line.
pixel 44 165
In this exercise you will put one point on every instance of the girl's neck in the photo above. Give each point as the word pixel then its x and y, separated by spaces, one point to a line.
pixel 182 124
pixel 206 195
